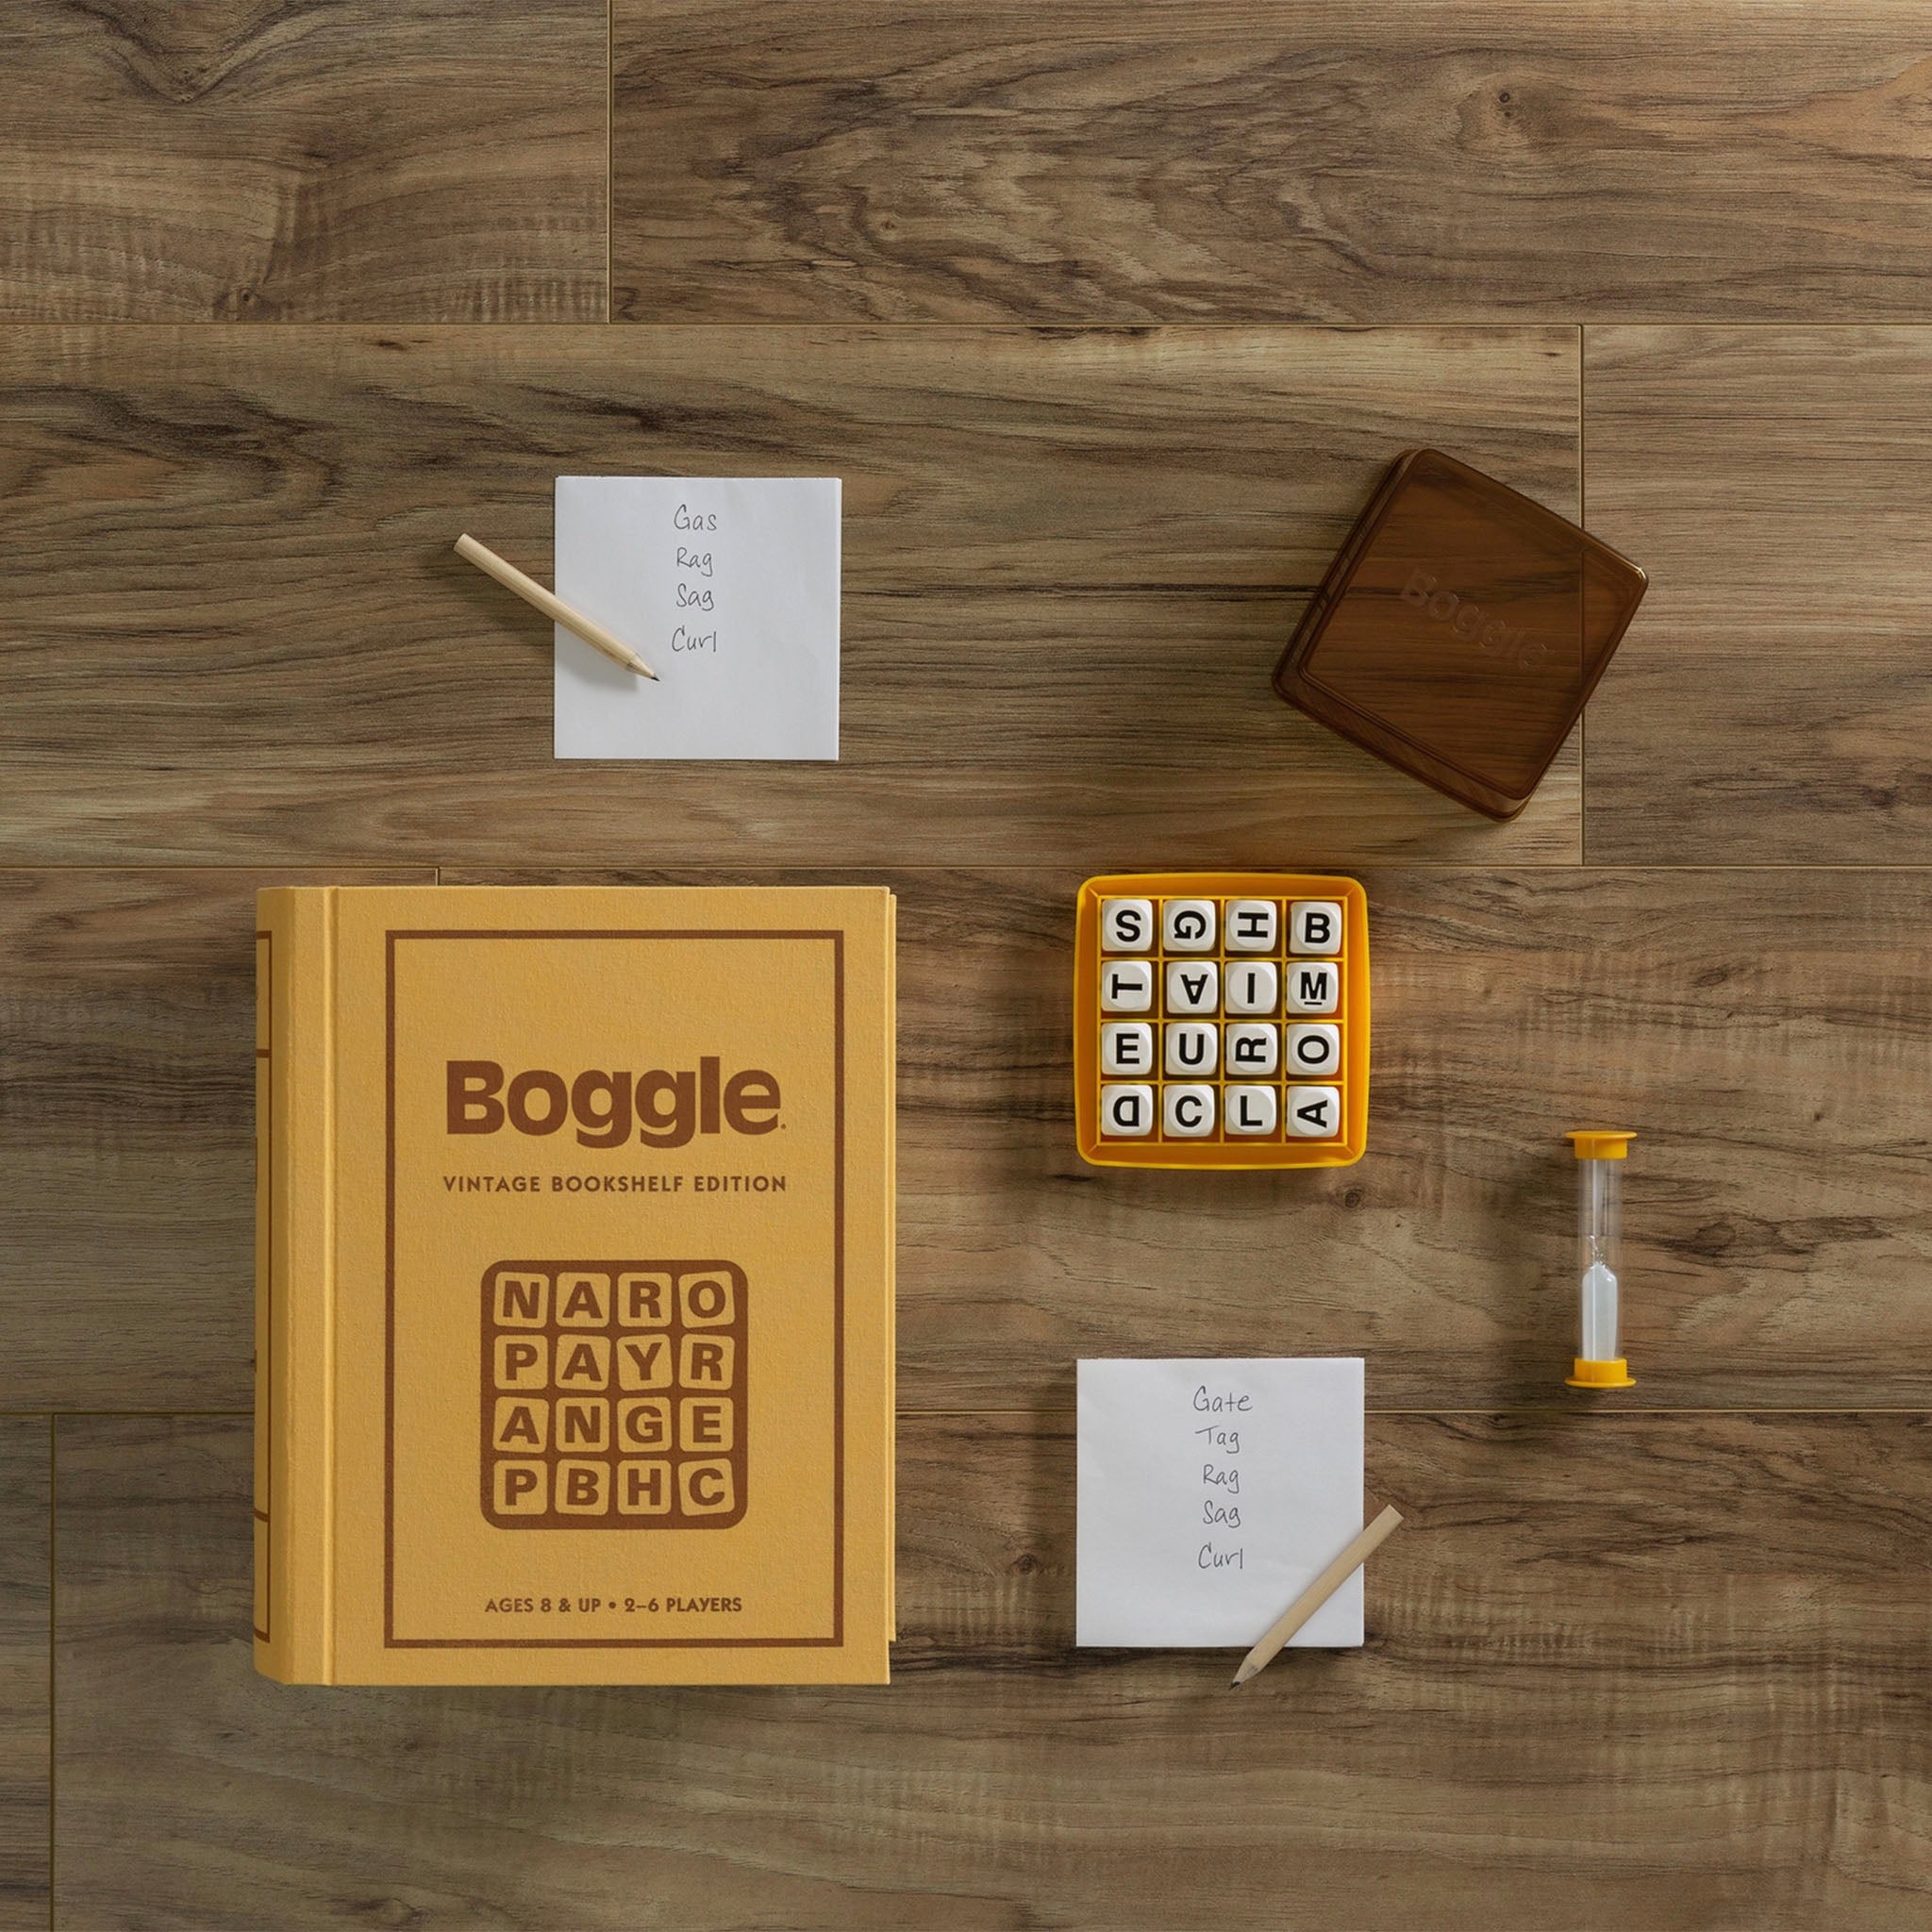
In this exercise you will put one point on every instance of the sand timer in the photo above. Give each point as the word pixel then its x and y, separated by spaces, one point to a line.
pixel 1600 1156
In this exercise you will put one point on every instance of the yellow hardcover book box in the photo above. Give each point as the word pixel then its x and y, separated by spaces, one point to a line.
pixel 575 1260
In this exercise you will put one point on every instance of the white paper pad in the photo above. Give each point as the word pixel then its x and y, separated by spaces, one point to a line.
pixel 1169 1451
pixel 729 588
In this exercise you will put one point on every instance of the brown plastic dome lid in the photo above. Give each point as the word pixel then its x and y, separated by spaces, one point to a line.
pixel 1459 632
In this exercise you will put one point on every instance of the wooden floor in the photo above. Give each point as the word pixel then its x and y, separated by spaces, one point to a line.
pixel 1108 315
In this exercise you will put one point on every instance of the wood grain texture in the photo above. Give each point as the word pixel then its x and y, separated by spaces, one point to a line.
pixel 1765 1032
pixel 1269 159
pixel 1625 1668
pixel 237 633
pixel 1768 1034
pixel 303 160
pixel 1660 1671
pixel 25 1606
pixel 1771 702
pixel 127 1134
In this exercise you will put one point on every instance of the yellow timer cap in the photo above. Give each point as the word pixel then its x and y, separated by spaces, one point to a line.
pixel 1600 1143
pixel 1614 1375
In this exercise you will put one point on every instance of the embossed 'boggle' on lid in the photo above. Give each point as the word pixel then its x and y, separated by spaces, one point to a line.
pixel 1459 632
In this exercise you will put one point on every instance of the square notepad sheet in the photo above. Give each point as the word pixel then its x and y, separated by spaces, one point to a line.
pixel 729 588
pixel 1212 1494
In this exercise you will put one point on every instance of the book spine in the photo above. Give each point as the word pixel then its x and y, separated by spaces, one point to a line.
pixel 892 1265
pixel 294 1285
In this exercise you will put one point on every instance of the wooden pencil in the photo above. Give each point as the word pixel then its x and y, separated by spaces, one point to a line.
pixel 551 606
pixel 1317 1593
